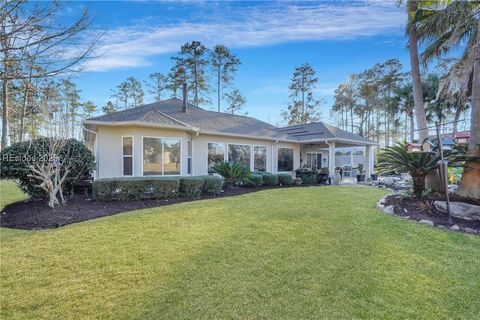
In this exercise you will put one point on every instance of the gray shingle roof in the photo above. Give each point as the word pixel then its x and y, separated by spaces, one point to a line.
pixel 170 112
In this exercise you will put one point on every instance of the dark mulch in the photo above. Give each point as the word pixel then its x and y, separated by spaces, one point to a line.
pixel 35 214
pixel 419 209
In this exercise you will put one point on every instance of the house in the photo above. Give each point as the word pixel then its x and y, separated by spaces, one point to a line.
pixel 171 137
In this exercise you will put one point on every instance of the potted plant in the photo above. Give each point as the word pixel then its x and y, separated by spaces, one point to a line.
pixel 361 173
pixel 374 175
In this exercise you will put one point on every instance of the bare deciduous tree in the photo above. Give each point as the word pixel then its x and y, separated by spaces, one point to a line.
pixel 31 36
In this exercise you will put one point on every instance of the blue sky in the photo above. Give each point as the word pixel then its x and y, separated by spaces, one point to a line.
pixel 271 38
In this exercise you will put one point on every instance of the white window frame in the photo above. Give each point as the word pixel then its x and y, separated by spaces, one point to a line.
pixel 293 159
pixel 132 156
pixel 253 156
pixel 242 144
pixel 181 158
pixel 225 151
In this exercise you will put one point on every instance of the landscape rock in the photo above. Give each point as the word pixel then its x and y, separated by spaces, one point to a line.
pixel 455 228
pixel 470 230
pixel 424 221
pixel 460 210
pixel 441 226
pixel 389 209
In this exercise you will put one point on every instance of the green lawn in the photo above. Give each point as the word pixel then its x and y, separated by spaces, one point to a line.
pixel 300 253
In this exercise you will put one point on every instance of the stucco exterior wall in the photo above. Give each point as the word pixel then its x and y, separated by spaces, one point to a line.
pixel 109 153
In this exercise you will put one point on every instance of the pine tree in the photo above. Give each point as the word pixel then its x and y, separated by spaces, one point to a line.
pixel 235 101
pixel 193 58
pixel 224 64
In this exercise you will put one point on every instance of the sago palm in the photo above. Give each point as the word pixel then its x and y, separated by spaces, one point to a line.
pixel 397 160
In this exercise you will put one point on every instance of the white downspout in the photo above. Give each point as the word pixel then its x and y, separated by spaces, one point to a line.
pixel 95 147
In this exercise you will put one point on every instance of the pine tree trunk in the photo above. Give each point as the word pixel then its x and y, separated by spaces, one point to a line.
pixel 412 7
pixel 470 183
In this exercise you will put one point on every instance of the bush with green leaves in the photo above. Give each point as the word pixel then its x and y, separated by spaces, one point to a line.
pixel 285 179
pixel 17 161
pixel 136 188
pixel 254 180
pixel 309 179
pixel 397 159
pixel 191 187
pixel 269 179
pixel 212 185
pixel 233 172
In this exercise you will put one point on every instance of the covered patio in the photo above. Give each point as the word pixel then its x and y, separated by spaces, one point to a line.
pixel 319 143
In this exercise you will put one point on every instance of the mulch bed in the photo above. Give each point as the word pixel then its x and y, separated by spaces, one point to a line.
pixel 36 215
pixel 423 209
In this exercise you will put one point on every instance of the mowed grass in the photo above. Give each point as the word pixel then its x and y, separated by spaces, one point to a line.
pixel 299 253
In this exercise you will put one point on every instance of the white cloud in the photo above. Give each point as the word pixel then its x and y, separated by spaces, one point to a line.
pixel 135 45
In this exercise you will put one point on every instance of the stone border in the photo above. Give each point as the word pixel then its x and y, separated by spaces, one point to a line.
pixel 390 210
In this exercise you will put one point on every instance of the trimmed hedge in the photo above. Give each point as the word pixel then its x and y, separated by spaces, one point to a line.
pixel 212 185
pixel 254 180
pixel 269 179
pixel 136 188
pixel 160 188
pixel 191 187
pixel 285 179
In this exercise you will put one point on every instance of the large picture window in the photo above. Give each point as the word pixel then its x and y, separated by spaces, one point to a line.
pixel 127 154
pixel 171 156
pixel 239 153
pixel 285 159
pixel 161 156
pixel 216 154
pixel 260 158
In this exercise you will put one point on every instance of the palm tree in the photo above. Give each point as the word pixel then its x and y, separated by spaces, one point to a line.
pixel 397 160
pixel 412 7
pixel 444 28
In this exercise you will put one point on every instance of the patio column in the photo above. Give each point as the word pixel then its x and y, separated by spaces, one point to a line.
pixel 331 158
pixel 369 160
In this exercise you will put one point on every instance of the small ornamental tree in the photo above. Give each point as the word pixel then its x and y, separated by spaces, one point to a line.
pixel 46 167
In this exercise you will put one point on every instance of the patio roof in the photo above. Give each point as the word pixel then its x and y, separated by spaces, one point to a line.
pixel 319 131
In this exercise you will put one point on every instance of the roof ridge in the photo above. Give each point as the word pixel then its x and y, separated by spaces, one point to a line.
pixel 174 119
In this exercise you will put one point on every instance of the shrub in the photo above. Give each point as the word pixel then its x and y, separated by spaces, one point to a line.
pixel 309 179
pixel 212 185
pixel 398 160
pixel 15 160
pixel 269 179
pixel 136 188
pixel 285 179
pixel 191 187
pixel 254 180
pixel 232 172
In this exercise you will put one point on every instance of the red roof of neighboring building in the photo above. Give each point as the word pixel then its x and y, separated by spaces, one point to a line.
pixel 465 134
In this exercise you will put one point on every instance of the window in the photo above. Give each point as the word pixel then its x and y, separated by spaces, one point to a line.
pixel 216 154
pixel 239 153
pixel 314 161
pixel 285 159
pixel 171 156
pixel 127 154
pixel 161 156
pixel 189 157
pixel 260 158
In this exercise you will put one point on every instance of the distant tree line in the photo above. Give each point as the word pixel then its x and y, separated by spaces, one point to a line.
pixel 378 103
